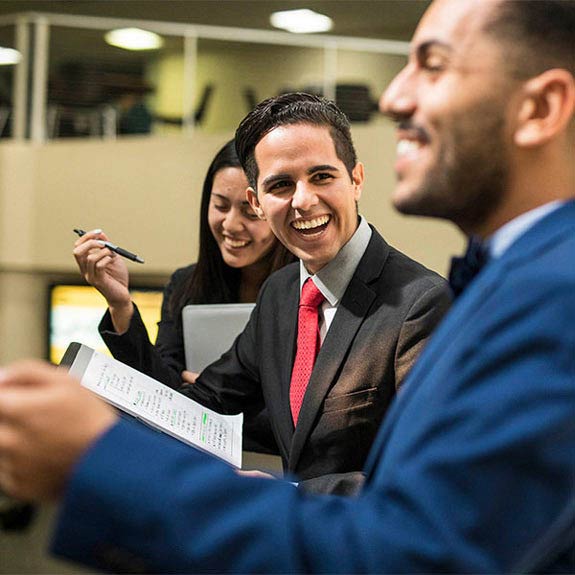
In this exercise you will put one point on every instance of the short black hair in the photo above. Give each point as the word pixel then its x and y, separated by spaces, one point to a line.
pixel 538 34
pixel 289 109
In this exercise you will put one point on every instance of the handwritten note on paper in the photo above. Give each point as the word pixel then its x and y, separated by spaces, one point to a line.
pixel 165 408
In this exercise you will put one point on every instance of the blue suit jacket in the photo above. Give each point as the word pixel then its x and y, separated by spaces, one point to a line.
pixel 473 468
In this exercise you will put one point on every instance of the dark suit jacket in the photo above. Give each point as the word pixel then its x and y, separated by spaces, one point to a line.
pixel 384 318
pixel 474 465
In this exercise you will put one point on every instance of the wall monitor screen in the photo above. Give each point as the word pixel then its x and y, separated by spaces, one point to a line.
pixel 74 312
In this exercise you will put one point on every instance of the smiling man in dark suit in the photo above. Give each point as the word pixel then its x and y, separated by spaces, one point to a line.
pixel 378 309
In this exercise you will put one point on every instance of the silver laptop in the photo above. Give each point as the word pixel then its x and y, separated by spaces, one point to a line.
pixel 210 330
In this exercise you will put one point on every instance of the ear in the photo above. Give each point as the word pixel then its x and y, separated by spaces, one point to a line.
pixel 254 203
pixel 546 109
pixel 357 177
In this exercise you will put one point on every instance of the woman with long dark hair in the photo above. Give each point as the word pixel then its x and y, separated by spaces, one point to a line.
pixel 221 274
pixel 237 252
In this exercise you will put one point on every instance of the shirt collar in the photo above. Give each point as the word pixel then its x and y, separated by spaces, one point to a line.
pixel 502 239
pixel 332 280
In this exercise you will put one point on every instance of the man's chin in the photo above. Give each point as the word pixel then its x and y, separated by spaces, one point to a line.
pixel 405 201
pixel 416 204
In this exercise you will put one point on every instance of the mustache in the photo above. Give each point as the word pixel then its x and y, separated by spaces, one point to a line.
pixel 414 129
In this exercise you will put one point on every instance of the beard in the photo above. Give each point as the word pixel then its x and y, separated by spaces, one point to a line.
pixel 470 177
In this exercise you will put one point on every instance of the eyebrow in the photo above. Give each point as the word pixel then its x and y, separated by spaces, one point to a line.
pixel 278 177
pixel 322 168
pixel 226 199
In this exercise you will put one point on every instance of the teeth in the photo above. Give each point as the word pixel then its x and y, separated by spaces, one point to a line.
pixel 236 243
pixel 310 224
pixel 407 146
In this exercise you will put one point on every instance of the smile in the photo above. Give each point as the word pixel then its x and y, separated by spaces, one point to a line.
pixel 311 226
pixel 405 147
pixel 231 243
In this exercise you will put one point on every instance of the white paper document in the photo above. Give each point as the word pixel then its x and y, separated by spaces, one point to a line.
pixel 157 404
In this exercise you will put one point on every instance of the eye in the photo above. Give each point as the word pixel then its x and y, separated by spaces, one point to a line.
pixel 221 207
pixel 322 177
pixel 433 62
pixel 279 186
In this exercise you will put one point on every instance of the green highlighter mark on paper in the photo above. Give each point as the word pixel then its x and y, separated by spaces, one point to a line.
pixel 139 398
pixel 204 421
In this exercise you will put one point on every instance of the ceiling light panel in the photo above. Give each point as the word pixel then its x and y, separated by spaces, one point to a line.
pixel 9 56
pixel 301 21
pixel 134 39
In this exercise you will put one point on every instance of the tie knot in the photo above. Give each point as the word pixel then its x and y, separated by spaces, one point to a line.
pixel 476 254
pixel 310 295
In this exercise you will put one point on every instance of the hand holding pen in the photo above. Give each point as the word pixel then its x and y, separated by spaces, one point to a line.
pixel 102 269
pixel 120 251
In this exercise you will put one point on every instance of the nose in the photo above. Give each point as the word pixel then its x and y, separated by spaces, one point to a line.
pixel 233 221
pixel 304 197
pixel 399 100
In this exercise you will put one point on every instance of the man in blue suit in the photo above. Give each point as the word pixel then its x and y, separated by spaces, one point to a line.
pixel 474 467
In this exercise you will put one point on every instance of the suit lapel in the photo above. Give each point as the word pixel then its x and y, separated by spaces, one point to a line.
pixel 351 312
pixel 285 337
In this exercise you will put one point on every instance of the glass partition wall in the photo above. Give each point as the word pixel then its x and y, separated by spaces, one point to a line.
pixel 70 83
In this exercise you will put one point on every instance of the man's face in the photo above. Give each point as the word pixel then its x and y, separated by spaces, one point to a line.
pixel 450 102
pixel 305 192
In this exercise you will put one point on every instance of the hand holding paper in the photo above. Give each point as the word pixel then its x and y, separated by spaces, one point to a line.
pixel 156 404
pixel 47 420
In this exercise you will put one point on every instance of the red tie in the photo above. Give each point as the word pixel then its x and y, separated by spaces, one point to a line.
pixel 308 343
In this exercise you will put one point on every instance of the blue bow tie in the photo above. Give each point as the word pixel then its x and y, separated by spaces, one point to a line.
pixel 464 269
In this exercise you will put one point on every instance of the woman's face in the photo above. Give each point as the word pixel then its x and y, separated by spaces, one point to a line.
pixel 242 237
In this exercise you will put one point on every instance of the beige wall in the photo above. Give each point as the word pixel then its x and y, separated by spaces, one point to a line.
pixel 145 194
pixel 431 242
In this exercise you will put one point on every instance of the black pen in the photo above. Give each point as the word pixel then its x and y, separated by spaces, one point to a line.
pixel 120 251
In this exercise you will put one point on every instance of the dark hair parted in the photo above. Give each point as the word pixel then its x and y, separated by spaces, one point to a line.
pixel 213 281
pixel 289 109
pixel 538 34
